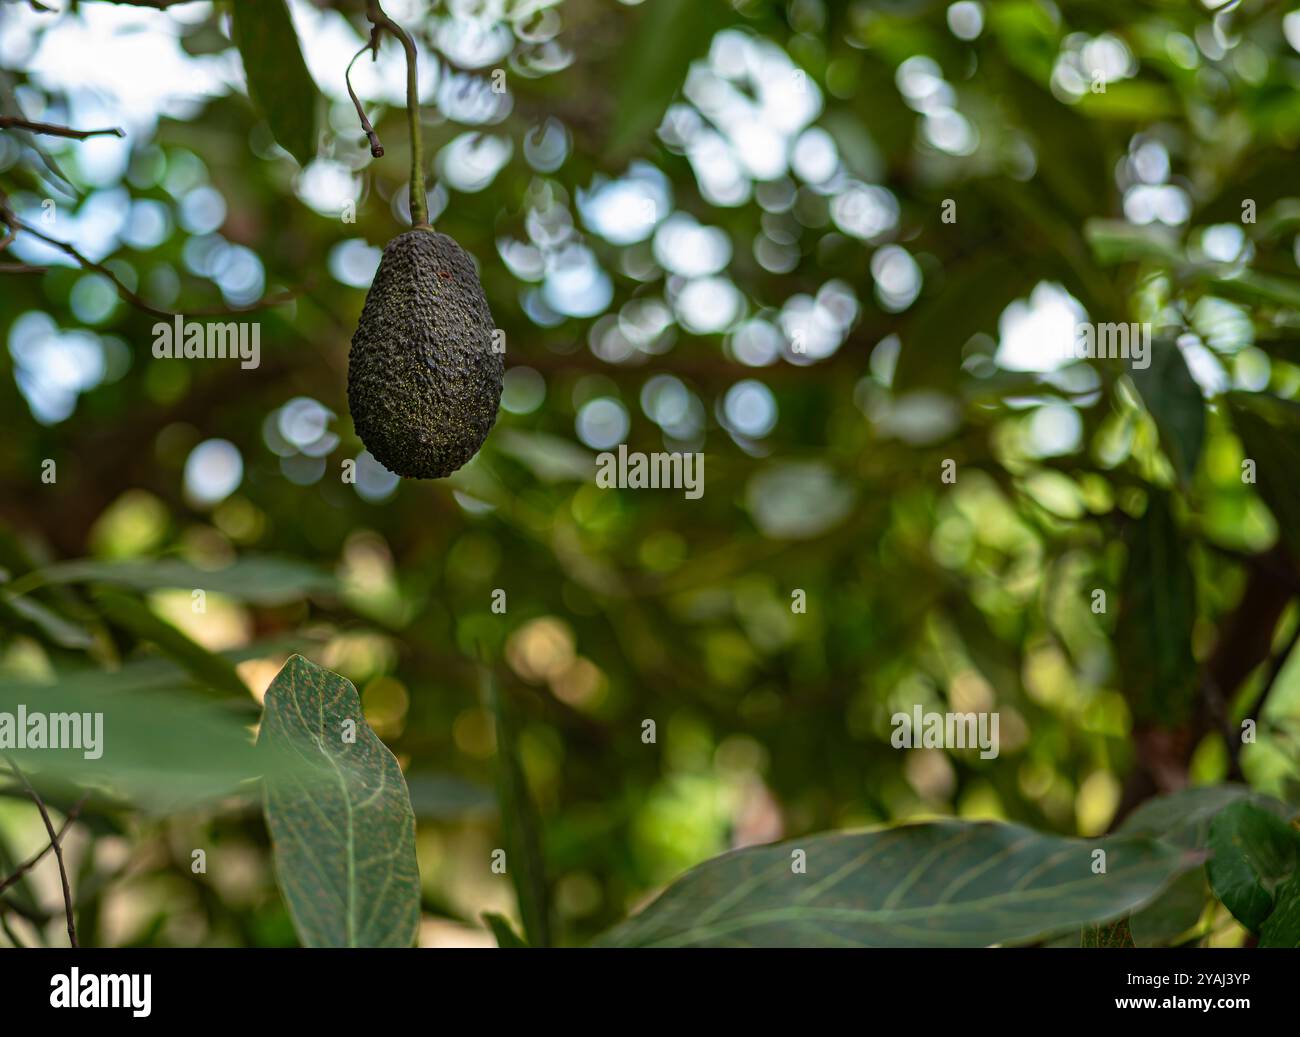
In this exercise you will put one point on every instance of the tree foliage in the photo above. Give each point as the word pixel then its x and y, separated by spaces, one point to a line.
pixel 837 250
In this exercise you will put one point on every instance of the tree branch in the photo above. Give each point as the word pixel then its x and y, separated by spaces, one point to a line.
pixel 50 129
pixel 376 148
pixel 58 849
pixel 31 862
pixel 14 223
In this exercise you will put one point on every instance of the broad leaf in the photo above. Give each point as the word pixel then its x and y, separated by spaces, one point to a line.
pixel 1173 913
pixel 1282 927
pixel 1184 818
pixel 278 81
pixel 1255 852
pixel 161 751
pixel 940 884
pixel 344 846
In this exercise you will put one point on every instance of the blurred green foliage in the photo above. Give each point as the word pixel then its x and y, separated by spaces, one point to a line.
pixel 974 594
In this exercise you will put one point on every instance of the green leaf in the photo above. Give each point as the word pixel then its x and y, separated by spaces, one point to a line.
pixel 1111 934
pixel 278 81
pixel 1174 400
pixel 1157 612
pixel 939 884
pixel 1270 434
pixel 1282 928
pixel 446 797
pixel 549 458
pixel 1134 99
pixel 1184 818
pixel 153 674
pixel 1117 241
pixel 256 579
pixel 27 612
pixel 652 64
pixel 1172 913
pixel 506 936
pixel 161 751
pixel 1255 852
pixel 524 862
pixel 211 670
pixel 344 847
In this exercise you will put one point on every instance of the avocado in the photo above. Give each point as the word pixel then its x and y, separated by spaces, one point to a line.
pixel 424 381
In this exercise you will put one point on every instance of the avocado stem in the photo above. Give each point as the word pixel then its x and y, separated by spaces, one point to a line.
pixel 419 206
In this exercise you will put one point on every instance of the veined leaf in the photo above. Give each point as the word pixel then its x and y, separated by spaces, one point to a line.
pixel 1184 818
pixel 278 81
pixel 344 845
pixel 1255 852
pixel 939 884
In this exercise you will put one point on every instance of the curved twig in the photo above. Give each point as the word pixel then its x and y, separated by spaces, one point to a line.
pixel 419 205
pixel 36 859
pixel 376 148
pixel 58 849
pixel 131 297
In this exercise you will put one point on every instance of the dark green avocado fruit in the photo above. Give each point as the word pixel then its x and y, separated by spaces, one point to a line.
pixel 424 381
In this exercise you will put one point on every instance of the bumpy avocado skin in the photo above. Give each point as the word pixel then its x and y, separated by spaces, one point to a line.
pixel 424 382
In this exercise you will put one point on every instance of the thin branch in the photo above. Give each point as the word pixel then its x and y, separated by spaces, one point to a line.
pixel 419 205
pixel 376 148
pixel 31 862
pixel 8 122
pixel 131 297
pixel 58 849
